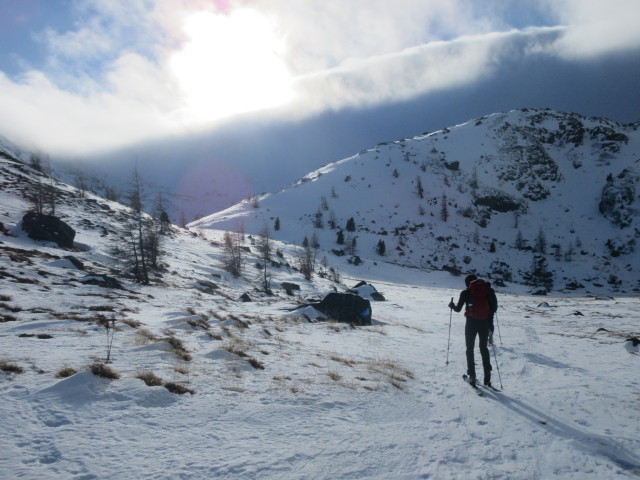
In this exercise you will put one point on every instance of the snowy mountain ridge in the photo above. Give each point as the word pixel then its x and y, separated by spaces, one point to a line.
pixel 506 195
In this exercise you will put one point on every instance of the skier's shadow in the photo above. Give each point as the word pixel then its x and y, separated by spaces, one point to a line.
pixel 590 443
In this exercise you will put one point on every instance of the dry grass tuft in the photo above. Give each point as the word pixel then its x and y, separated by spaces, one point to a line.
pixel 104 371
pixel 146 335
pixel 132 323
pixel 177 388
pixel 258 365
pixel 9 367
pixel 150 378
pixel 65 372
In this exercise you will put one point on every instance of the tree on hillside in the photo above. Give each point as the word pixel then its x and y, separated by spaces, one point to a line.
pixel 264 249
pixel 317 221
pixel 444 212
pixel 137 235
pixel 232 258
pixel 419 188
pixel 350 242
pixel 473 183
pixel 541 242
pixel 42 193
pixel 134 198
pixel 351 225
pixel 160 213
pixel 381 248
pixel 276 224
pixel 332 222
pixel 539 275
pixel 519 243
pixel 306 259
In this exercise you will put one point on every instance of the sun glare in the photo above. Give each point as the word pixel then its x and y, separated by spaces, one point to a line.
pixel 231 64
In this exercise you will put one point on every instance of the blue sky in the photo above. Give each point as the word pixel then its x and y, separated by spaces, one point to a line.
pixel 310 81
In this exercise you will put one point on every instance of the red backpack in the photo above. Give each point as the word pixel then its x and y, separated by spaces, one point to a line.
pixel 478 301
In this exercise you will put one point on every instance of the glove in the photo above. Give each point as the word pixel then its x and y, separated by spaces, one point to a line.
pixel 451 305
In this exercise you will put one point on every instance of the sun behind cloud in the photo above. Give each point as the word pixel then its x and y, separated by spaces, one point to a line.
pixel 231 64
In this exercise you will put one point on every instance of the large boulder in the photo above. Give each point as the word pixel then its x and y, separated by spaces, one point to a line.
pixel 48 228
pixel 346 307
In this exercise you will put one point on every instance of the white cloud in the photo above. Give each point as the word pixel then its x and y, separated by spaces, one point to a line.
pixel 597 27
pixel 355 53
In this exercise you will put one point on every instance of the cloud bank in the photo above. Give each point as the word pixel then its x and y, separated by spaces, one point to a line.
pixel 110 79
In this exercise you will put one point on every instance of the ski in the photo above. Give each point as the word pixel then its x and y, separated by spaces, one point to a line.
pixel 491 388
pixel 475 387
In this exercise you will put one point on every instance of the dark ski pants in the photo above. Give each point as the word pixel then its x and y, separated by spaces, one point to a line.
pixel 480 328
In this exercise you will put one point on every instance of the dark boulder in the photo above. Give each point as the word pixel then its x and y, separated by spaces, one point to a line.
pixel 290 287
pixel 102 281
pixel 245 297
pixel 48 228
pixel 75 262
pixel 346 307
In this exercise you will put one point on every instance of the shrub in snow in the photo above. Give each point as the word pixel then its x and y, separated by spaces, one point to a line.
pixel 104 371
pixel 177 388
pixel 66 372
pixel 150 378
pixel 9 367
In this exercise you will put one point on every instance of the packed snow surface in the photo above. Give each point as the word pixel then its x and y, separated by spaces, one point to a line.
pixel 331 401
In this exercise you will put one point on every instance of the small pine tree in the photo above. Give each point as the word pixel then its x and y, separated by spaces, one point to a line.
pixel 332 220
pixel 318 222
pixel 276 225
pixel 340 237
pixel 351 225
pixel 444 212
pixel 539 275
pixel 419 188
pixel 381 248
pixel 541 242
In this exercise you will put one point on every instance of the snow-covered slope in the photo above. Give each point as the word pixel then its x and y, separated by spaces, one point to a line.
pixel 520 189
pixel 276 395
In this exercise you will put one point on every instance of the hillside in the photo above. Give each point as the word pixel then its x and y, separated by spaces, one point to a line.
pixel 525 191
pixel 205 385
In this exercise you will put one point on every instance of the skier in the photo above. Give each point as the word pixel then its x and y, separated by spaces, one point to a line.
pixel 480 305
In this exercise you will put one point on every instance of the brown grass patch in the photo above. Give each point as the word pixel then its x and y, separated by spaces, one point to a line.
pixel 177 388
pixel 150 378
pixel 9 367
pixel 65 372
pixel 104 371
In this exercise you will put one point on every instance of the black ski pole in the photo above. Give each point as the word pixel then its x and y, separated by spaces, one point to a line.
pixel 449 340
pixel 498 325
pixel 497 367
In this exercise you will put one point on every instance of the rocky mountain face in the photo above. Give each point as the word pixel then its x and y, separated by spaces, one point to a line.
pixel 540 197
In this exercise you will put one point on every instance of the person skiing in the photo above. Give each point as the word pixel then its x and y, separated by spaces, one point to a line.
pixel 480 304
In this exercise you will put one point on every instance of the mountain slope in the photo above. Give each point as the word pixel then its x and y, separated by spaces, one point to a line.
pixel 531 196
